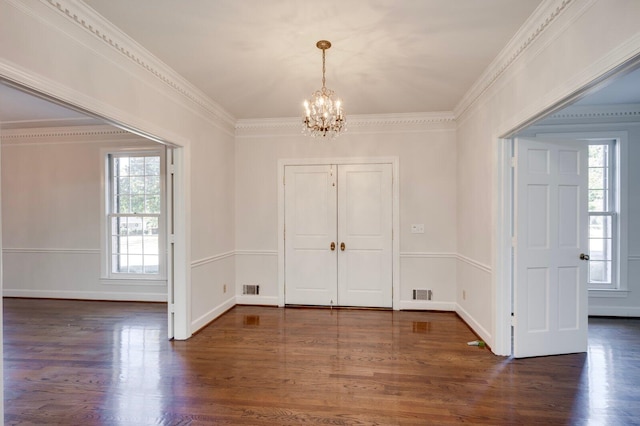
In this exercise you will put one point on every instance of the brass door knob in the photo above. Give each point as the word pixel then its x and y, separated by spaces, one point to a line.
pixel 333 246
pixel 342 246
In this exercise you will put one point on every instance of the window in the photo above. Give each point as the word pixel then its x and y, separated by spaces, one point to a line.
pixel 602 215
pixel 134 215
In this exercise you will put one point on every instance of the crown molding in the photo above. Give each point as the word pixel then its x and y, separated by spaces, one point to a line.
pixel 623 112
pixel 9 136
pixel 356 121
pixel 92 22
pixel 539 21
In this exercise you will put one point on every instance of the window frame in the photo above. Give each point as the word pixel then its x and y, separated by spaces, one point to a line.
pixel 612 212
pixel 107 274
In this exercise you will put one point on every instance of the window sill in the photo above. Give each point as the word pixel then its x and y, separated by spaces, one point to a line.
pixel 133 281
pixel 608 292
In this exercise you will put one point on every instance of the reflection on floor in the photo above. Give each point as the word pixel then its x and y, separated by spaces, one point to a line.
pixel 109 363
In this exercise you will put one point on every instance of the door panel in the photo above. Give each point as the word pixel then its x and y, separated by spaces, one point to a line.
pixel 364 226
pixel 310 228
pixel 550 280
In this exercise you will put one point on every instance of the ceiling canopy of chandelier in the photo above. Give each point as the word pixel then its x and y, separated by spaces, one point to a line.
pixel 323 116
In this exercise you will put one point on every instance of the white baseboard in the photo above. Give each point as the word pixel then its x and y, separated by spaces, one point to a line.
pixel 614 311
pixel 86 295
pixel 475 326
pixel 257 300
pixel 212 314
pixel 426 305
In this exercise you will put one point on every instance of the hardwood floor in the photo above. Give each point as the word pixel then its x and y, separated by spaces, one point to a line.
pixel 109 363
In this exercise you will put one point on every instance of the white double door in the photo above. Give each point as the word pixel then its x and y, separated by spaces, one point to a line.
pixel 338 235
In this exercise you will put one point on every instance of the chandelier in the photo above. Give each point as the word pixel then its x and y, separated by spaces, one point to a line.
pixel 323 116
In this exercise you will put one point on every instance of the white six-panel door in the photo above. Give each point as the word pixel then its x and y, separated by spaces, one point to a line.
pixel 364 227
pixel 551 231
pixel 338 245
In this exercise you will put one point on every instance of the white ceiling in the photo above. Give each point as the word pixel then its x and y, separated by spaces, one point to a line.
pixel 257 58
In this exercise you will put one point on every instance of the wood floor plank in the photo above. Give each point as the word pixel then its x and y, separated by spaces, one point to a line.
pixel 106 363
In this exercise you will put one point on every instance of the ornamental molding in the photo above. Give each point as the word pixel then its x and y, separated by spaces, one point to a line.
pixel 67 132
pixel 357 121
pixel 626 112
pixel 83 16
pixel 531 30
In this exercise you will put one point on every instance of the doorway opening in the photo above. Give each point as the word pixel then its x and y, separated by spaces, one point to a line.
pixel 607 110
pixel 77 219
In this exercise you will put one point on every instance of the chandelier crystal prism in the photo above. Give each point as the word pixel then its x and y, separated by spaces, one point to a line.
pixel 323 116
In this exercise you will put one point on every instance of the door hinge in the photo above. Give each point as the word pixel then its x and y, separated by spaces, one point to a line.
pixel 172 308
pixel 284 232
pixel 284 179
pixel 172 238
pixel 514 241
pixel 513 162
pixel 513 320
pixel 172 169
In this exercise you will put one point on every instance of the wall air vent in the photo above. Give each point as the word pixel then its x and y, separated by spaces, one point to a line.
pixel 422 294
pixel 251 289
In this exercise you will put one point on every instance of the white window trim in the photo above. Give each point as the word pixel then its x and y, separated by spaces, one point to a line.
pixel 612 200
pixel 106 276
pixel 622 152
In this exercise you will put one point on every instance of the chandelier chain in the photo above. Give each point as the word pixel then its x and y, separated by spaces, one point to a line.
pixel 323 69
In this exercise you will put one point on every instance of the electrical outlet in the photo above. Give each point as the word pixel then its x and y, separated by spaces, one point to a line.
pixel 224 288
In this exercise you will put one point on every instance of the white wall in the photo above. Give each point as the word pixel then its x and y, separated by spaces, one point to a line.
pixel 52 189
pixel 212 227
pixel 427 173
pixel 553 56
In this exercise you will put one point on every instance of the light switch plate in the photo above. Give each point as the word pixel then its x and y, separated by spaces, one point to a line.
pixel 417 228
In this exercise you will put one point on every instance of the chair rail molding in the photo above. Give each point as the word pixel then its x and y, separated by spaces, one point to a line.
pixel 211 259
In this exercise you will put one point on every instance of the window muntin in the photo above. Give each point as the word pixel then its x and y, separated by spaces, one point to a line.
pixel 602 215
pixel 134 214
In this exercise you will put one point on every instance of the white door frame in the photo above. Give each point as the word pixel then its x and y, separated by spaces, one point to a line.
pixel 181 246
pixel 502 264
pixel 394 161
